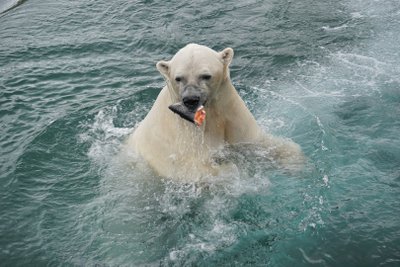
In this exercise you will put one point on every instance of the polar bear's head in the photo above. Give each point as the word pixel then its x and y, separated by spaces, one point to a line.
pixel 196 73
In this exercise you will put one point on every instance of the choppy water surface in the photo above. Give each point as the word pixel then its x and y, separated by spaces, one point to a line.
pixel 76 76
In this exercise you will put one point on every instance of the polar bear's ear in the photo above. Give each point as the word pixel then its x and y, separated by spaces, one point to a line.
pixel 163 67
pixel 226 56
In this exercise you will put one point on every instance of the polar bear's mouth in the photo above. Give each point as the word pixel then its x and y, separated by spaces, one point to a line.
pixel 196 116
pixel 192 103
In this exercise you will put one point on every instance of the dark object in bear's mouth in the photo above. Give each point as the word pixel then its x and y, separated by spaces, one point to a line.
pixel 197 117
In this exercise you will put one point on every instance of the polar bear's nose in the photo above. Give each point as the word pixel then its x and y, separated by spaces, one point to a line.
pixel 191 101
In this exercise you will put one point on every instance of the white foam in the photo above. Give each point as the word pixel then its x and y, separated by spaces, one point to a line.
pixel 310 260
pixel 357 15
pixel 325 179
pixel 104 138
pixel 337 28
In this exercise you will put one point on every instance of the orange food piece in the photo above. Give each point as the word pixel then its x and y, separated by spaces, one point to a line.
pixel 199 116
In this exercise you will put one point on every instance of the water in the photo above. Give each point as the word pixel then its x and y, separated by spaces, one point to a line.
pixel 76 77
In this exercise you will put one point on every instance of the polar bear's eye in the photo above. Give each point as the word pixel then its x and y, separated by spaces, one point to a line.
pixel 205 77
pixel 178 79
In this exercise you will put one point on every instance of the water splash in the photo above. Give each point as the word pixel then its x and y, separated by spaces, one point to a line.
pixel 189 219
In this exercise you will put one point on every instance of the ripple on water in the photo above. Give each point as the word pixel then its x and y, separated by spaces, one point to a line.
pixel 77 76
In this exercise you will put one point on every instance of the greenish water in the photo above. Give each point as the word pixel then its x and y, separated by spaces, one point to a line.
pixel 76 77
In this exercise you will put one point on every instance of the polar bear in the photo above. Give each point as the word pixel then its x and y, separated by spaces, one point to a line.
pixel 176 148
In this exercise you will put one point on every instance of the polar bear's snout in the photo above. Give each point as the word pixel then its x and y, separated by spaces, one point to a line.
pixel 193 97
